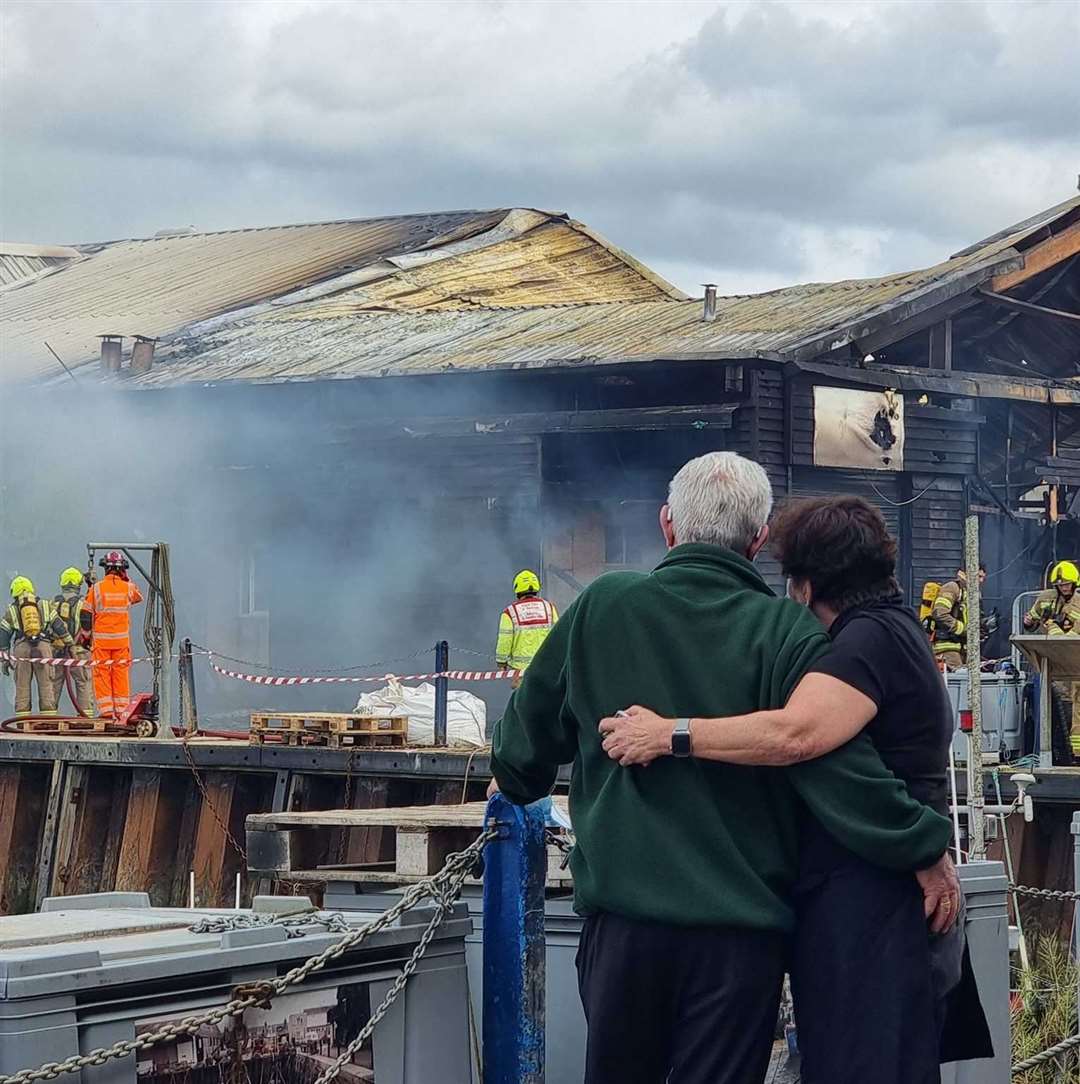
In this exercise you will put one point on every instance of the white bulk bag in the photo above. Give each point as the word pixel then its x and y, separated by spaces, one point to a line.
pixel 466 715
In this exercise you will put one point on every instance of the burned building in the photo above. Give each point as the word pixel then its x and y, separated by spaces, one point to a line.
pixel 357 431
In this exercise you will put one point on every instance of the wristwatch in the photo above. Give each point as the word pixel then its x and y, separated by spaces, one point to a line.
pixel 681 743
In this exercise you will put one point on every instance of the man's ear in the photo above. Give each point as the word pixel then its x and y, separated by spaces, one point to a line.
pixel 756 546
pixel 667 527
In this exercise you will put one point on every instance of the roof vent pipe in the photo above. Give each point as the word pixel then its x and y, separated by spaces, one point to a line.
pixel 110 352
pixel 709 314
pixel 142 356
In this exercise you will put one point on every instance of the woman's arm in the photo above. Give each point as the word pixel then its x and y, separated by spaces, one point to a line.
pixel 822 714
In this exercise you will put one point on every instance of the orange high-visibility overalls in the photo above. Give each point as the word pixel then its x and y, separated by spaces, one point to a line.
pixel 110 602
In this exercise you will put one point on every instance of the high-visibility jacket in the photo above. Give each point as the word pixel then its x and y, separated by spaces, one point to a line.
pixel 109 602
pixel 1052 610
pixel 31 618
pixel 949 619
pixel 523 626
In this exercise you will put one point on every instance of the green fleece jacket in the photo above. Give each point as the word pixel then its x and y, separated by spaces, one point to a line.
pixel 686 841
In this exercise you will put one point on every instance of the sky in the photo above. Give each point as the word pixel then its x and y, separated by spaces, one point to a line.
pixel 752 145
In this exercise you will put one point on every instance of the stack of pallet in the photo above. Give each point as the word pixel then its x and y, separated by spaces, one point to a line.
pixel 336 730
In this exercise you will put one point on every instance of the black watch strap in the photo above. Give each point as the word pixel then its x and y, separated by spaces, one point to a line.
pixel 681 742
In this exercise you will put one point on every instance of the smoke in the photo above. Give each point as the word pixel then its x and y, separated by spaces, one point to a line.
pixel 297 544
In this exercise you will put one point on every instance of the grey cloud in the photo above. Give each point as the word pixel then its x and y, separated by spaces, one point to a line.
pixel 729 144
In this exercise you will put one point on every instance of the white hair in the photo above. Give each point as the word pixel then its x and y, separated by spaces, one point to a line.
pixel 720 498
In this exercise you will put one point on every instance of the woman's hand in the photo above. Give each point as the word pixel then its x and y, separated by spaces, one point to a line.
pixel 636 736
pixel 941 894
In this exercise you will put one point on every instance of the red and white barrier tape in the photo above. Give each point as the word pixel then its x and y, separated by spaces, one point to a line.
pixel 453 675
pixel 69 663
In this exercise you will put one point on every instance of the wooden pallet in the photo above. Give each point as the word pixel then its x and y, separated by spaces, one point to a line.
pixel 336 730
pixel 286 845
pixel 72 726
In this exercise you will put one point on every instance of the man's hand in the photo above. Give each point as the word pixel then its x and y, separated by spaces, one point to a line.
pixel 941 894
pixel 636 736
pixel 493 788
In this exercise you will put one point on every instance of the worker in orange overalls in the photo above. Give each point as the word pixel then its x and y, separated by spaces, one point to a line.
pixel 109 603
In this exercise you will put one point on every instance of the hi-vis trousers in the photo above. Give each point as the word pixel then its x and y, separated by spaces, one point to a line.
pixel 26 673
pixel 112 684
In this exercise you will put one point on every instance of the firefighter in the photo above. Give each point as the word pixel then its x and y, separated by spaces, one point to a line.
pixel 1056 612
pixel 524 624
pixel 27 631
pixel 109 604
pixel 70 608
pixel 948 620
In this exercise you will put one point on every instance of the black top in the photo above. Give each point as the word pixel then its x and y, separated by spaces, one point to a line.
pixel 882 650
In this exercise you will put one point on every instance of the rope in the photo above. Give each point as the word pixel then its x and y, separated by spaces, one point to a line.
pixel 443 887
pixel 1046 1055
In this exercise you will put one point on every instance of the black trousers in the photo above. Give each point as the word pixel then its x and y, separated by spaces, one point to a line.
pixel 865 1002
pixel 678 1004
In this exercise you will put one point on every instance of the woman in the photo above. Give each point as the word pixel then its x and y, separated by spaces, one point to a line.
pixel 877 997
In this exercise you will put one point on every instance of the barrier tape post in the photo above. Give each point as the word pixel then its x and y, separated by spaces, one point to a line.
pixel 442 665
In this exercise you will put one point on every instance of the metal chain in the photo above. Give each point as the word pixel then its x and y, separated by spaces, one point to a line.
pixel 442 906
pixel 443 887
pixel 343 835
pixel 295 923
pixel 1043 893
pixel 1046 1055
pixel 209 803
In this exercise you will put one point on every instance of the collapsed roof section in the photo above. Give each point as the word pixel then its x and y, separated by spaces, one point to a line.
pixel 159 286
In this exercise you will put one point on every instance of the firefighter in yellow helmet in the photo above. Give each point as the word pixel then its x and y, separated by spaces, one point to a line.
pixel 27 631
pixel 69 606
pixel 524 625
pixel 1056 611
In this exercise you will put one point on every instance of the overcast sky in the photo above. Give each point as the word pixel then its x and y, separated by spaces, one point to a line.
pixel 749 144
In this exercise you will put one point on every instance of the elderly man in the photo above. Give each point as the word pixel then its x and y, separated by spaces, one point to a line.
pixel 683 867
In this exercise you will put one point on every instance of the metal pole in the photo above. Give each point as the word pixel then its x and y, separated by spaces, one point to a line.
pixel 442 664
pixel 515 868
pixel 976 799
pixel 189 709
pixel 1075 829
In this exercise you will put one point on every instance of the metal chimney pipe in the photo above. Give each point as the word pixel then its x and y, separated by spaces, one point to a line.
pixel 110 352
pixel 142 356
pixel 709 314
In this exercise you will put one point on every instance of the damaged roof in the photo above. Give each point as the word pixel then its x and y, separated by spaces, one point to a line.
pixel 158 286
pixel 482 291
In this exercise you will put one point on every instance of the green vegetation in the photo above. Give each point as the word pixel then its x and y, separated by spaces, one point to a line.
pixel 1044 1011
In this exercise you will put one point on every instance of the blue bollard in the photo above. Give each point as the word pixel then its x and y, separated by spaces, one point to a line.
pixel 515 871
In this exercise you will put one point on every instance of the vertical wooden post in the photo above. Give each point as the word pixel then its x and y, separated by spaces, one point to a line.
pixel 976 800
pixel 49 832
pixel 213 862
pixel 149 841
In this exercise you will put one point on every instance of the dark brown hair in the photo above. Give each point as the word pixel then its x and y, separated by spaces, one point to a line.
pixel 841 545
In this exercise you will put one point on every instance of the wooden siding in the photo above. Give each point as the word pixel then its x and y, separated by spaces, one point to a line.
pixel 937 528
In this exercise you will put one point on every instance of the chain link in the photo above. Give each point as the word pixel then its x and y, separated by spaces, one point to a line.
pixel 294 923
pixel 209 802
pixel 1046 1055
pixel 1043 893
pixel 443 887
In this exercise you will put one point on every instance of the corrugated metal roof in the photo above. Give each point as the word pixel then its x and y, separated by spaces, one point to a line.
pixel 339 338
pixel 437 293
pixel 19 262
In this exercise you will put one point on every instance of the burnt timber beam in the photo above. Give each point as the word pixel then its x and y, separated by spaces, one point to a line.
pixel 631 419
pixel 1055 249
pixel 1026 308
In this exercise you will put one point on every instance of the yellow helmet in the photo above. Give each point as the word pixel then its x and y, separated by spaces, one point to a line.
pixel 1065 572
pixel 71 577
pixel 526 581
pixel 21 586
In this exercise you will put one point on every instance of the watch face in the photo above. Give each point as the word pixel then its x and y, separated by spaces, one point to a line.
pixel 680 743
